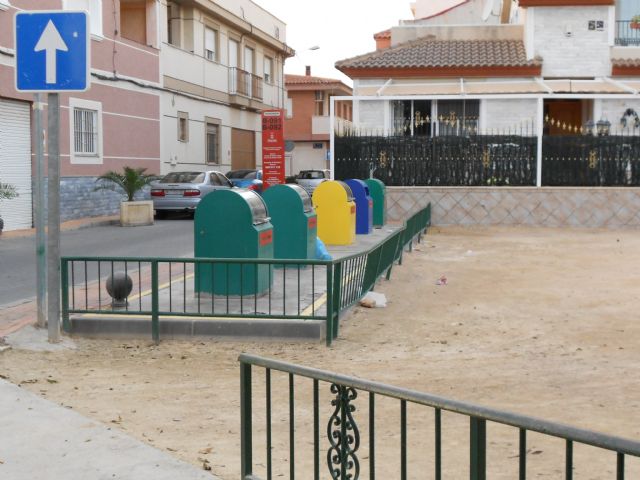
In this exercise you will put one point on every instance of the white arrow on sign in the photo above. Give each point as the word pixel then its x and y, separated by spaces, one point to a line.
pixel 51 41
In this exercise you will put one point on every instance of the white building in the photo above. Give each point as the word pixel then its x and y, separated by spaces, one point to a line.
pixel 221 64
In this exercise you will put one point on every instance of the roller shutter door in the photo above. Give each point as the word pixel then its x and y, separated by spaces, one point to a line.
pixel 15 163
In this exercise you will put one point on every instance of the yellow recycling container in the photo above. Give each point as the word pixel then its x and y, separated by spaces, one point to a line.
pixel 336 210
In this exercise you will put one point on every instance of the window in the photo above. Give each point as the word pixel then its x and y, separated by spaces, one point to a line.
pixel 458 117
pixel 173 24
pixel 412 118
pixel 210 44
pixel 183 127
pixel 215 180
pixel 85 131
pixel 212 142
pixel 94 7
pixel 268 69
pixel 319 109
pixel 289 107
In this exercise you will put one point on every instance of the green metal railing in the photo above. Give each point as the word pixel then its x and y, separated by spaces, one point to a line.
pixel 343 434
pixel 299 289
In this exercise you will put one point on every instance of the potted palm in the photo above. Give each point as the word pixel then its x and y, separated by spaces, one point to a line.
pixel 7 192
pixel 635 22
pixel 130 181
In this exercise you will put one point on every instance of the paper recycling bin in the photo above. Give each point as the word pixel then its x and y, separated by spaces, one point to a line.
pixel 336 210
pixel 232 224
pixel 364 206
pixel 295 223
pixel 378 193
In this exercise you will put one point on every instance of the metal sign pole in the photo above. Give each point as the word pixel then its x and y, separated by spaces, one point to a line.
pixel 53 218
pixel 41 255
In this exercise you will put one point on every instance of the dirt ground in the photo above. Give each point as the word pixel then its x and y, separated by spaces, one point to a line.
pixel 543 322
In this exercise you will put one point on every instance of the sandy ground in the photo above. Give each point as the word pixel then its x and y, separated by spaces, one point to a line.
pixel 542 322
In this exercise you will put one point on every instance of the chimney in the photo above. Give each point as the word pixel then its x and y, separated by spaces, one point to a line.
pixel 307 70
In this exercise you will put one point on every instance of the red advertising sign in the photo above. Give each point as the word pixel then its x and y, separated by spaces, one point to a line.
pixel 272 148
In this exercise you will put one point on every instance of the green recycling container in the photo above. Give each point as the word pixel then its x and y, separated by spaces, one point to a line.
pixel 377 191
pixel 232 223
pixel 295 223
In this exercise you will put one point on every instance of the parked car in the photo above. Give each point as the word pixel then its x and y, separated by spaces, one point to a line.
pixel 246 178
pixel 310 179
pixel 182 191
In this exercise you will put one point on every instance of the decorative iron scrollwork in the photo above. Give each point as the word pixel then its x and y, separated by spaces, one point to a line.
pixel 486 158
pixel 343 434
pixel 383 159
pixel 593 159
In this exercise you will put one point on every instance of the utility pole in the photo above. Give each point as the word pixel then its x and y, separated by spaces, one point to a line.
pixel 53 218
pixel 41 254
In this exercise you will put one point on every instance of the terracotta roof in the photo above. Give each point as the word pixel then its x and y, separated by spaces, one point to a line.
pixel 382 34
pixel 305 82
pixel 429 53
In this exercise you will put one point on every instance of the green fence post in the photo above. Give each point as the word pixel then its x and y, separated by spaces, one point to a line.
pixel 478 447
pixel 246 426
pixel 155 321
pixel 337 295
pixel 64 280
pixel 329 327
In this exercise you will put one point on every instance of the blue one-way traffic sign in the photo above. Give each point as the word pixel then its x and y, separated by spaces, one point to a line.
pixel 52 51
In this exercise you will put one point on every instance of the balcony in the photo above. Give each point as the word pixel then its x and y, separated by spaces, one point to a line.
pixel 627 33
pixel 245 84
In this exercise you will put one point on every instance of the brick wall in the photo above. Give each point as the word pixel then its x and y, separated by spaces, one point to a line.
pixel 585 53
pixel 541 207
pixel 508 114
pixel 79 199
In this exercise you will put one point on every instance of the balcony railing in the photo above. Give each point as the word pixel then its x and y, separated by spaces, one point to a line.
pixel 627 33
pixel 245 83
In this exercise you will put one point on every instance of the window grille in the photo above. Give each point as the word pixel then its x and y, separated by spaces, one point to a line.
pixel 85 131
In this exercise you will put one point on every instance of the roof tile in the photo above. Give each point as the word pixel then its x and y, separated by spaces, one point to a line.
pixel 430 53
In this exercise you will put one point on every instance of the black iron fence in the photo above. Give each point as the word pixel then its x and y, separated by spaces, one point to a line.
pixel 627 33
pixel 490 159
pixel 344 452
pixel 445 160
pixel 581 160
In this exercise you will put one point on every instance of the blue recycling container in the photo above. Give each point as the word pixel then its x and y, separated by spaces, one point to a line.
pixel 364 206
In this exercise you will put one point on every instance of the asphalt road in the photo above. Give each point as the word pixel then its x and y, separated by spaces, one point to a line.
pixel 167 238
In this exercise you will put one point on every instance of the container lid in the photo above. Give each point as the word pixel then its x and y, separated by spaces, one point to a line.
pixel 257 206
pixel 304 196
pixel 348 190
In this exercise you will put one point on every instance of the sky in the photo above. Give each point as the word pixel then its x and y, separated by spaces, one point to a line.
pixel 341 28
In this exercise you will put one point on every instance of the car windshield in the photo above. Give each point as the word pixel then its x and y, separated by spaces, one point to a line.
pixel 183 177
pixel 311 175
pixel 236 174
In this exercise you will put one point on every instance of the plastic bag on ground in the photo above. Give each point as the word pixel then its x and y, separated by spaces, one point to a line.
pixel 321 251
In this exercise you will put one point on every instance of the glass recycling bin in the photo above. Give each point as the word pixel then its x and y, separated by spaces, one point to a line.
pixel 295 223
pixel 364 206
pixel 232 224
pixel 378 193
pixel 336 210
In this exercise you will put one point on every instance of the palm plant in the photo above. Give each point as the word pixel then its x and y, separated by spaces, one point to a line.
pixel 7 191
pixel 131 181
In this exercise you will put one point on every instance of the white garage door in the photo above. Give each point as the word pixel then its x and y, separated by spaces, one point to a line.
pixel 15 163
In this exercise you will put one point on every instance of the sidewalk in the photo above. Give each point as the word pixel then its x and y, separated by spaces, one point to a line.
pixel 15 317
pixel 46 441
pixel 64 226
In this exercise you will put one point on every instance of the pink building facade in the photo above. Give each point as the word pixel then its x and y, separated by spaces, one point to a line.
pixel 116 123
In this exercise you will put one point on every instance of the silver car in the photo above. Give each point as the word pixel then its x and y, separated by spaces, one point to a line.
pixel 182 191
pixel 310 179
